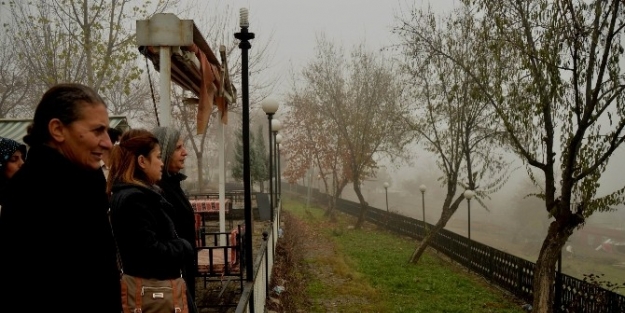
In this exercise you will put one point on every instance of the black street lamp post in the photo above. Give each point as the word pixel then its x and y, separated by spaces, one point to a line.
pixel 245 36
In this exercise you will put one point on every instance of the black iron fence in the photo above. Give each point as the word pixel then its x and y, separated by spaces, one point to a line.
pixel 507 271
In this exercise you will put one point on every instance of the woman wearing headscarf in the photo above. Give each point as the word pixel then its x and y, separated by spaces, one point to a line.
pixel 173 155
pixel 54 227
pixel 12 156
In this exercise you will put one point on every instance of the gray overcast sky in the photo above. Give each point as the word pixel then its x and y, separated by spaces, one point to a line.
pixel 295 23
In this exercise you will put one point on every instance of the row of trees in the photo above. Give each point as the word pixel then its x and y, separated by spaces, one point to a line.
pixel 50 42
pixel 540 78
pixel 347 114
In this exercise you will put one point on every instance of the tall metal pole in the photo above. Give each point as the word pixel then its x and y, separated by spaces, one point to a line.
pixel 425 225
pixel 244 36
pixel 469 219
pixel 386 193
pixel 558 291
pixel 279 174
pixel 222 183
pixel 275 170
pixel 269 116
pixel 165 85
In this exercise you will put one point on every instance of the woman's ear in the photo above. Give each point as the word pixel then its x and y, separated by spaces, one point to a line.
pixel 55 128
pixel 141 161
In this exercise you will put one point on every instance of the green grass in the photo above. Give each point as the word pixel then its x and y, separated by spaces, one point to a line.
pixel 373 266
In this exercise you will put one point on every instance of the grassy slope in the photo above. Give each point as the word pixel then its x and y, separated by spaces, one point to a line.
pixel 369 272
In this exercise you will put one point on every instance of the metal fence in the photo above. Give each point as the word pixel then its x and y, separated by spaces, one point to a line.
pixel 256 291
pixel 507 271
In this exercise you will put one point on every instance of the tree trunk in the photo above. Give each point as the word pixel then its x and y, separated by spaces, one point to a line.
pixel 445 217
pixel 363 206
pixel 449 209
pixel 336 193
pixel 330 206
pixel 545 269
pixel 200 172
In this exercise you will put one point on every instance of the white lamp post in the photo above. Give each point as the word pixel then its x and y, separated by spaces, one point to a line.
pixel 276 125
pixel 423 188
pixel 386 185
pixel 270 106
pixel 278 183
pixel 468 194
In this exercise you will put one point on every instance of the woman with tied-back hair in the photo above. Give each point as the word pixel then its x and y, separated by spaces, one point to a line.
pixel 56 244
pixel 148 244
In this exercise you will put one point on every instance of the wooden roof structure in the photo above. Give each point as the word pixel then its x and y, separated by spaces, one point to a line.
pixel 194 66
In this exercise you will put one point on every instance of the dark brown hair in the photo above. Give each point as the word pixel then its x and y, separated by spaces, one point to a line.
pixel 64 102
pixel 124 169
pixel 114 134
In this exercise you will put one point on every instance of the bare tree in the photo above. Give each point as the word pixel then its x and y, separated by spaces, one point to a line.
pixel 314 141
pixel 79 41
pixel 216 25
pixel 130 96
pixel 15 91
pixel 362 98
pixel 453 120
pixel 557 85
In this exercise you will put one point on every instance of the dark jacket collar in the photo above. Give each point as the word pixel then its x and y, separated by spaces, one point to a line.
pixel 47 157
pixel 177 177
pixel 154 191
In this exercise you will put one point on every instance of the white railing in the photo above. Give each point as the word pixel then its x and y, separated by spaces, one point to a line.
pixel 255 292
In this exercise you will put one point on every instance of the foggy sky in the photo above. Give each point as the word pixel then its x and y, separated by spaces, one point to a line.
pixel 294 24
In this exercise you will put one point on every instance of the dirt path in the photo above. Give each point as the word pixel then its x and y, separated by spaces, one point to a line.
pixel 307 257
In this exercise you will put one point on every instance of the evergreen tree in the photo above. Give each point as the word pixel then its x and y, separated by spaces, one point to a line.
pixel 237 165
pixel 258 162
pixel 258 159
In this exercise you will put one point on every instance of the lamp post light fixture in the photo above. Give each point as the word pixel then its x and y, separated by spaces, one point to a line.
pixel 276 125
pixel 244 36
pixel 270 106
pixel 468 194
pixel 423 188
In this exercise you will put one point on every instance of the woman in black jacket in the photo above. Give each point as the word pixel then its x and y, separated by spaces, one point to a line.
pixel 54 228
pixel 148 244
pixel 173 155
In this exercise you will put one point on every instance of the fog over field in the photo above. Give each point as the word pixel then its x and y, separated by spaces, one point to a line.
pixel 511 222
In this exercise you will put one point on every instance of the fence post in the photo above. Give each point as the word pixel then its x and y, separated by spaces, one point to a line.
pixel 519 285
pixel 490 263
pixel 265 235
pixel 558 291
